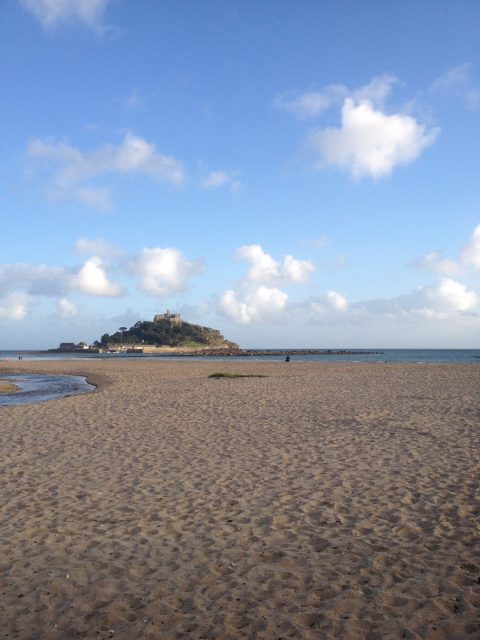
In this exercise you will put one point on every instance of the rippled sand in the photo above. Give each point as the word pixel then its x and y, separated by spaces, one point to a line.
pixel 322 501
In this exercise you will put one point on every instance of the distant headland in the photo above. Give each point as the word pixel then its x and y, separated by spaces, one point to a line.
pixel 169 334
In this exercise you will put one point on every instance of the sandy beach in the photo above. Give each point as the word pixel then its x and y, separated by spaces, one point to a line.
pixel 321 501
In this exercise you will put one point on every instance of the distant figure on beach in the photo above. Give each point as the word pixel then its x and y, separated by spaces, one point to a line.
pixel 287 359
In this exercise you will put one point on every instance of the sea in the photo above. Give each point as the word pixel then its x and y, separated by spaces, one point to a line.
pixel 374 355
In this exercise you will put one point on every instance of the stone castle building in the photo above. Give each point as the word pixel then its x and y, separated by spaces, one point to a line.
pixel 173 318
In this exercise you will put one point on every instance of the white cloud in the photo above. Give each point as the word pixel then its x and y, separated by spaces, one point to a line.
pixel 293 270
pixel 370 142
pixel 258 300
pixel 469 258
pixel 376 91
pixel 262 304
pixel 443 299
pixel 97 247
pixel 164 272
pixel 336 301
pixel 134 156
pixel 311 103
pixel 457 80
pixel 92 279
pixel 217 179
pixel 13 306
pixel 51 13
pixel 470 253
pixel 433 261
pixel 331 307
pixel 450 295
pixel 66 309
pixel 445 302
pixel 265 270
pixel 35 280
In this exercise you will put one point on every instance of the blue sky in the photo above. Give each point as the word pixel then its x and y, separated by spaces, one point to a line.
pixel 299 174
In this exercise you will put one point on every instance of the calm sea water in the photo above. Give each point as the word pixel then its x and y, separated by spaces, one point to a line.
pixel 429 356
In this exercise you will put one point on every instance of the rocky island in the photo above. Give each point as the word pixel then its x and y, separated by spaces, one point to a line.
pixel 169 334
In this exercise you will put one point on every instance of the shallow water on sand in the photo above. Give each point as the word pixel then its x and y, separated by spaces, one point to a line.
pixel 40 388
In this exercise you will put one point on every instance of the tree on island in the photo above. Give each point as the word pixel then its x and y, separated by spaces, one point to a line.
pixel 164 333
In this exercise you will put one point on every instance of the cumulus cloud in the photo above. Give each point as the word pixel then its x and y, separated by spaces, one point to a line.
pixel 262 304
pixel 165 271
pixel 457 80
pixel 92 279
pixel 336 301
pixel 370 142
pixel 33 279
pixel 134 156
pixel 265 270
pixel 51 13
pixel 13 306
pixel 217 179
pixel 451 295
pixel 293 270
pixel 258 298
pixel 66 309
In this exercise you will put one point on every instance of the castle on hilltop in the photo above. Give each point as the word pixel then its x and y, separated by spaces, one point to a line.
pixel 174 318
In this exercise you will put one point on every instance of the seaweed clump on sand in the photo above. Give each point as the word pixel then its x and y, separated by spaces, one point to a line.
pixel 217 375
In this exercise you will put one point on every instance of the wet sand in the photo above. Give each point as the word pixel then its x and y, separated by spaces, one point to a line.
pixel 8 387
pixel 322 501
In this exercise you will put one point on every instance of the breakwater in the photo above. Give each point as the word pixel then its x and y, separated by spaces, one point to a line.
pixel 273 352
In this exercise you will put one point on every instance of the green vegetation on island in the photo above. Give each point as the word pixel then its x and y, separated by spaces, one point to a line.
pixel 166 330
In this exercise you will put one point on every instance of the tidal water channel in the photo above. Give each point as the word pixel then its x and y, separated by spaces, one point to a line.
pixel 40 388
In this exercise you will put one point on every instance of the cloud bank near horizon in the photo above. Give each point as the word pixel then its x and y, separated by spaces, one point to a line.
pixel 260 296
